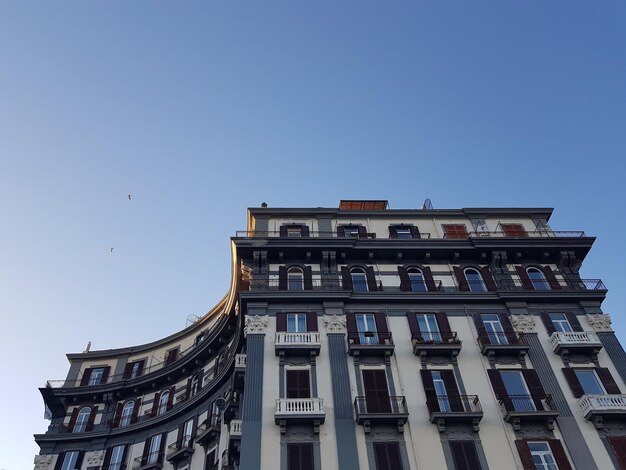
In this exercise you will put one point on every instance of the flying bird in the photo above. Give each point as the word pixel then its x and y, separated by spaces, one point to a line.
pixel 129 197
pixel 111 249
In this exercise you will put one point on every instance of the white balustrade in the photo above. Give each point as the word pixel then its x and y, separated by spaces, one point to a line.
pixel 309 338
pixel 573 338
pixel 236 426
pixel 240 360
pixel 590 403
pixel 299 406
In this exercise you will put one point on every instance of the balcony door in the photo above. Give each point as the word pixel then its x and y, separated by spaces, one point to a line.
pixel 494 329
pixel 428 327
pixel 517 390
pixel 440 391
pixel 376 391
pixel 366 326
pixel 296 323
pixel 298 383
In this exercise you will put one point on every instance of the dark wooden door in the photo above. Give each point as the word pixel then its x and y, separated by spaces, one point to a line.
pixel 376 391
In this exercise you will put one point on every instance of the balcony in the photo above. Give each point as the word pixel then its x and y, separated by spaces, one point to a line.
pixel 515 284
pixel 436 344
pixel 316 284
pixel 391 410
pixel 151 461
pixel 236 426
pixel 180 450
pixel 565 342
pixel 598 407
pixel 307 343
pixel 531 234
pixel 370 343
pixel 494 345
pixel 299 411
pixel 524 409
pixel 460 409
pixel 208 431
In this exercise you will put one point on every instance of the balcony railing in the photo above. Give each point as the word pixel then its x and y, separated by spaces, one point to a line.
pixel 384 406
pixel 436 338
pixel 236 426
pixel 531 234
pixel 274 284
pixel 423 235
pixel 515 283
pixel 454 404
pixel 603 404
pixel 299 406
pixel 311 338
pixel 370 338
pixel 574 339
pixel 180 449
pixel 152 460
pixel 240 361
pixel 519 409
pixel 502 339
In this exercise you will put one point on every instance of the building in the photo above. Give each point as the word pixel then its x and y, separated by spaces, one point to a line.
pixel 362 337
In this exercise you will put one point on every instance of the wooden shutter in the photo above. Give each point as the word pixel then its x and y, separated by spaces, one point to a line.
pixel 429 390
pixel 534 387
pixel 200 379
pixel 341 230
pixel 281 322
pixel 353 334
pixel 464 455
pixel 371 279
pixel 170 399
pixel 454 397
pixel 413 325
pixel 146 449
pixel 393 232
pixel 381 328
pixel 105 374
pixel 79 460
pixel 490 284
pixel 86 375
pixel 619 449
pixel 547 322
pixel 606 378
pixel 311 321
pixel 444 326
pixel 499 389
pixel 415 232
pixel 300 456
pixel 387 455
pixel 572 381
pixel 127 368
pixel 107 458
pixel 298 383
pixel 155 404
pixel 455 231
pixel 525 455
pixel 460 279
pixel 405 281
pixel 428 278
pixel 551 278
pixel 362 231
pixel 509 331
pixel 283 231
pixel 573 321
pixel 72 422
pixel 308 277
pixel 305 231
pixel 559 454
pixel 118 414
pixel 282 278
pixel 133 418
pixel 92 419
pixel 346 278
pixel 376 391
pixel 59 462
pixel 480 327
pixel 514 230
pixel 524 279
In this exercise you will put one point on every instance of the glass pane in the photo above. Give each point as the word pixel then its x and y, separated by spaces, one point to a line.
pixel 560 322
pixel 403 232
pixel 69 461
pixel 366 325
pixel 475 281
pixel 96 376
pixel 428 327
pixel 494 329
pixel 440 390
pixel 589 382
pixel 295 281
pixel 517 391
pixel 417 282
pixel 538 280
pixel 359 282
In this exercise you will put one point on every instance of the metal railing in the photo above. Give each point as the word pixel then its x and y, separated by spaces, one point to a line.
pixel 501 339
pixel 316 284
pixel 309 338
pixel 423 235
pixel 151 458
pixel 529 234
pixel 590 403
pixel 515 283
pixel 317 234
pixel 526 403
pixel 573 338
pixel 299 406
pixel 370 338
pixel 449 337
pixel 236 427
pixel 185 443
pixel 385 406
pixel 454 404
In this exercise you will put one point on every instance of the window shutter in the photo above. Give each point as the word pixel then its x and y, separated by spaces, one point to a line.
pixel 464 455
pixel 133 418
pixel 525 455
pixel 117 415
pixel 381 323
pixel 281 322
pixel 454 397
pixel 341 230
pixel 155 404
pixel 92 419
pixel 490 284
pixel 551 278
pixel 573 321
pixel 547 322
pixel 200 379
pixel 428 278
pixel 85 380
pixel 107 458
pixel 362 232
pixel 444 326
pixel 534 387
pixel 346 278
pixel 413 325
pixel 181 431
pixel 308 277
pixel 282 278
pixel 525 280
pixel 572 381
pixel 170 399
pixel 105 374
pixel 499 388
pixel 305 231
pixel 607 380
pixel 189 380
pixel 559 454
pixel 162 447
pixel 371 279
pixel 140 368
pixel 59 462
pixel 283 231
pixel 72 422
pixel 509 331
pixel 429 390
pixel 415 232
pixel 311 321
pixel 480 327
pixel 393 232
pixel 405 281
pixel 619 449
pixel 146 449
pixel 127 368
pixel 460 279
pixel 79 460
pixel 353 335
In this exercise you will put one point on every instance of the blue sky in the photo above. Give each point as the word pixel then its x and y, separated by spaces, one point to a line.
pixel 202 109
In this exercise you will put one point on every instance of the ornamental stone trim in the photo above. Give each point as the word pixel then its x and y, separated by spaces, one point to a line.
pixel 255 325
pixel 600 321
pixel 335 323
pixel 94 459
pixel 524 323
pixel 42 462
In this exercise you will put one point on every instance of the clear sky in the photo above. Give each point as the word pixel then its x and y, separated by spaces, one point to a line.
pixel 201 109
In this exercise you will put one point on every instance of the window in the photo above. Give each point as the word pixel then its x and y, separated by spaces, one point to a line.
pixel 82 419
pixel 96 376
pixel 440 391
pixel 359 280
pixel 416 277
pixel 298 383
pixel 351 231
pixel 136 369
pixel 493 328
pixel 455 231
pixel 127 413
pixel 171 356
pixel 560 322
pixel 474 280
pixel 154 449
pixel 296 323
pixel 366 327
pixel 517 390
pixel 464 455
pixel 542 456
pixel 186 438
pixel 117 458
pixel 300 456
pixel 514 230
pixel 590 382
pixel 537 279
pixel 70 460
pixel 295 279
pixel 387 456
pixel 404 232
pixel 195 385
pixel 428 327
pixel 163 402
pixel 294 232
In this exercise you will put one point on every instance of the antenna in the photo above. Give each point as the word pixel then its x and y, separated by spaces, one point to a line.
pixel 191 319
pixel 428 205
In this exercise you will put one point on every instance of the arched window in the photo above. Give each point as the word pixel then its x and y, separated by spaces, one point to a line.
pixel 416 276
pixel 195 385
pixel 475 280
pixel 163 402
pixel 127 413
pixel 359 280
pixel 81 419
pixel 538 279
pixel 295 279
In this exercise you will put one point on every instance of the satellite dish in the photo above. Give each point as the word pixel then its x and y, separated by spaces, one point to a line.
pixel 428 205
pixel 220 403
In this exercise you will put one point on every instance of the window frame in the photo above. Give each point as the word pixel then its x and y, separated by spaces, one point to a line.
pixel 475 285
pixel 299 320
pixel 82 419
pixel 359 285
pixel 541 453
pixel 518 403
pixel 558 323
pixel 119 464
pixel 127 419
pixel 421 281
pixel 295 278
pixel 598 382
pixel 164 399
pixel 540 282
pixel 96 373
pixel 367 335
pixel 298 390
pixel 428 333
pixel 70 464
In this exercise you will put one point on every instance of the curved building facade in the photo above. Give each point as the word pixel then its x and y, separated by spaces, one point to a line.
pixel 362 337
